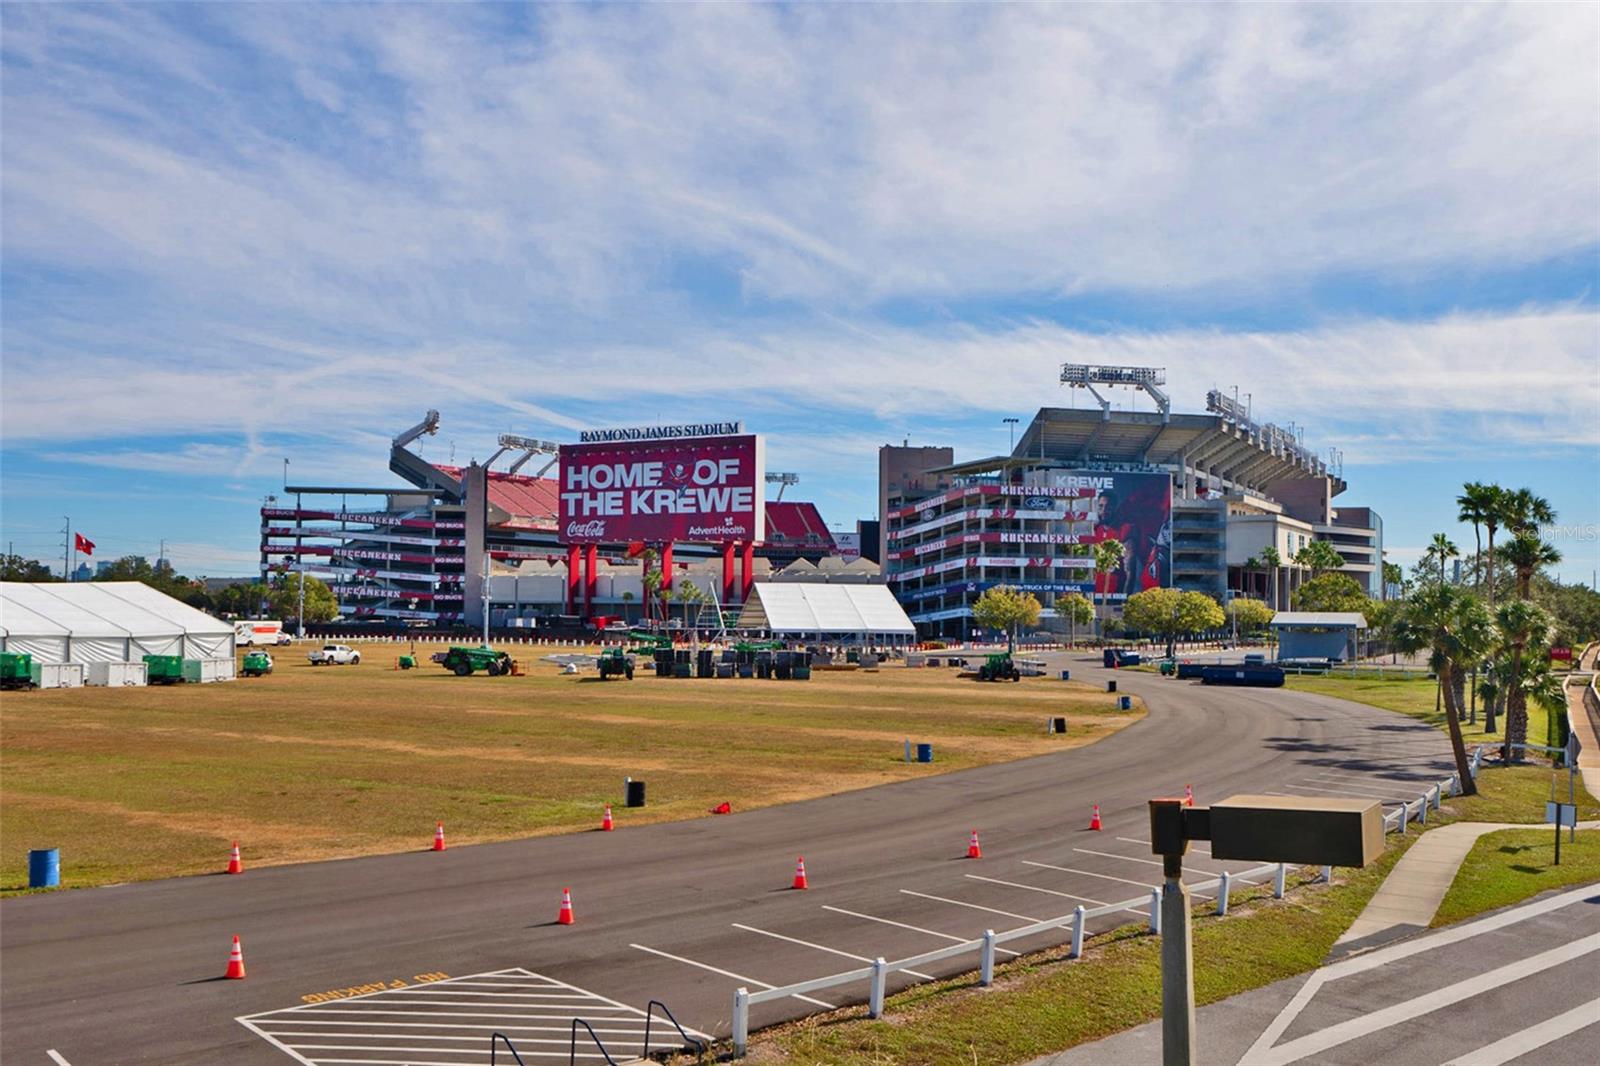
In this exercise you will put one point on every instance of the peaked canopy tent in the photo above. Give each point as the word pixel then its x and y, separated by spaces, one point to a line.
pixel 113 621
pixel 800 609
pixel 1333 635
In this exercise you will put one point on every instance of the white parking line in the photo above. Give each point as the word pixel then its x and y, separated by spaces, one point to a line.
pixel 1198 845
pixel 1389 796
pixel 1531 1039
pixel 1036 888
pixel 913 928
pixel 819 947
pixel 55 1056
pixel 1113 855
pixel 1088 873
pixel 727 973
pixel 974 906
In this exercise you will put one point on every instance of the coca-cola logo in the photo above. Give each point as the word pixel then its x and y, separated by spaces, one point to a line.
pixel 592 528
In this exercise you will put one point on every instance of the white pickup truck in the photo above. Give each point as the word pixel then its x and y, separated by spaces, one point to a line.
pixel 335 655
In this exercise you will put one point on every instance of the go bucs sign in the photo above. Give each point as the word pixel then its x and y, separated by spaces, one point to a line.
pixel 659 491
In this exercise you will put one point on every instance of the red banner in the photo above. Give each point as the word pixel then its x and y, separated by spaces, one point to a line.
pixel 700 489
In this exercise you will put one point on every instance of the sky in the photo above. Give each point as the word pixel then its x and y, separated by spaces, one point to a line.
pixel 237 234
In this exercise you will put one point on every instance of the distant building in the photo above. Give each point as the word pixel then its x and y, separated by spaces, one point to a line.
pixel 82 573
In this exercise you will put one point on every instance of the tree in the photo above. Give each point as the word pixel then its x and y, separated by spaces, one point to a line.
pixel 1493 514
pixel 1274 562
pixel 1393 574
pixel 1108 556
pixel 1003 607
pixel 1475 504
pixel 1456 630
pixel 242 600
pixel 1524 629
pixel 1332 592
pixel 18 568
pixel 1077 610
pixel 284 600
pixel 689 594
pixel 1170 614
pixel 1527 555
pixel 1523 512
pixel 1251 616
pixel 1439 550
pixel 1319 557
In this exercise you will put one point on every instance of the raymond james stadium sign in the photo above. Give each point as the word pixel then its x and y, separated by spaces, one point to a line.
pixel 692 429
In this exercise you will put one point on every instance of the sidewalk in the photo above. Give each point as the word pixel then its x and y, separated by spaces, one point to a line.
pixel 1584 726
pixel 1409 896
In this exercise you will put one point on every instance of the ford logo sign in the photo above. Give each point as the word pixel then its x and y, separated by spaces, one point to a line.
pixel 1038 503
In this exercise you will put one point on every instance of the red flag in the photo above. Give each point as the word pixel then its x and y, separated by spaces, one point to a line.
pixel 83 543
pixel 635 548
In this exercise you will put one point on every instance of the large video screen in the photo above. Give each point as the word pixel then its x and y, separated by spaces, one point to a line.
pixel 1134 508
pixel 708 489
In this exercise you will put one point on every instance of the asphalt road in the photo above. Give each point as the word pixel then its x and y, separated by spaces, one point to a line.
pixel 683 913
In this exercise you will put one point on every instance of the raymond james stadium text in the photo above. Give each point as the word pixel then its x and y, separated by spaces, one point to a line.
pixel 694 429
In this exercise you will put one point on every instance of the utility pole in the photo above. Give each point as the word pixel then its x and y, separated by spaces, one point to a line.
pixel 66 549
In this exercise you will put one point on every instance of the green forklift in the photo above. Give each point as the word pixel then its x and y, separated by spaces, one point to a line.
pixel 463 661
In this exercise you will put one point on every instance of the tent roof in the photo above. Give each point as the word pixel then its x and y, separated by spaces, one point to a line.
pixel 136 595
pixel 1320 619
pixel 802 607
pixel 102 609
pixel 16 620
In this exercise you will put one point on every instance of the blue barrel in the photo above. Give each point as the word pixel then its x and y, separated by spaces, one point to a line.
pixel 44 868
pixel 924 752
pixel 1066 675
pixel 1126 702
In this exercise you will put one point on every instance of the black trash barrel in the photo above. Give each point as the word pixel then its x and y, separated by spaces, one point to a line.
pixel 1111 686
pixel 635 796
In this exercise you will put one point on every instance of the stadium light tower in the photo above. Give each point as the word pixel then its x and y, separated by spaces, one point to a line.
pixel 1011 424
pixel 783 481
pixel 529 446
pixel 1144 378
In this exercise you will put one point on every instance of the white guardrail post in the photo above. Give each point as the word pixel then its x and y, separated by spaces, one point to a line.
pixel 1278 879
pixel 1400 822
pixel 880 970
pixel 1422 810
pixel 1155 910
pixel 1222 894
pixel 986 965
pixel 1327 875
pixel 741 1021
pixel 1078 922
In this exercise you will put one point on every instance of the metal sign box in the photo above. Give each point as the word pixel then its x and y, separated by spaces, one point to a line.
pixel 1297 829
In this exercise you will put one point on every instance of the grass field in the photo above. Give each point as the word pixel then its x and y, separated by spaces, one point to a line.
pixel 1513 864
pixel 319 762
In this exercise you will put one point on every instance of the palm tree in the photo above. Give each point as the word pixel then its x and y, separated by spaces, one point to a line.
pixel 1523 512
pixel 1442 548
pixel 1250 566
pixel 1523 625
pixel 1493 514
pixel 1108 556
pixel 1457 631
pixel 1274 561
pixel 1476 502
pixel 1527 554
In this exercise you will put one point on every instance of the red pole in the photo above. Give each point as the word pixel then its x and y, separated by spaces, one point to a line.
pixel 591 578
pixel 727 572
pixel 574 557
pixel 666 567
pixel 747 578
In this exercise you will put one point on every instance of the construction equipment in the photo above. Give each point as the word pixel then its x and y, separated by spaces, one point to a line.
pixel 999 667
pixel 647 643
pixel 614 662
pixel 759 645
pixel 406 662
pixel 164 669
pixel 256 664
pixel 462 661
pixel 16 669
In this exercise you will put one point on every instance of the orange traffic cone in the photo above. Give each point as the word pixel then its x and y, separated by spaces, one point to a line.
pixel 973 851
pixel 1094 823
pixel 234 865
pixel 235 962
pixel 606 824
pixel 438 836
pixel 800 874
pixel 565 917
pixel 722 808
pixel 1188 795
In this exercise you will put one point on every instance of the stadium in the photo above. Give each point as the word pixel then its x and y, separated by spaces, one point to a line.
pixel 1196 499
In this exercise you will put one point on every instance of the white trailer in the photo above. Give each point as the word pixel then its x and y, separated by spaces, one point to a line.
pixel 116 675
pixel 250 632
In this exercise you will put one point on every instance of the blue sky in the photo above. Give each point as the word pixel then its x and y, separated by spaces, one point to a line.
pixel 239 233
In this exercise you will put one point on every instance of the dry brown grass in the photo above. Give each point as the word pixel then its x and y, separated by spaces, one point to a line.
pixel 318 762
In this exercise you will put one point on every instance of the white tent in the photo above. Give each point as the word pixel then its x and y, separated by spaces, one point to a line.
pixel 801 608
pixel 112 621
